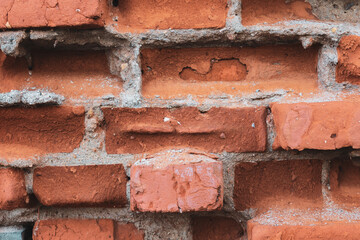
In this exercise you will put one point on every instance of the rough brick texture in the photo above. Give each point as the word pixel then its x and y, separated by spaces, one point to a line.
pixel 59 13
pixel 101 185
pixel 138 15
pixel 311 230
pixel 172 73
pixel 216 228
pixel 348 67
pixel 323 126
pixel 177 181
pixel 289 184
pixel 59 229
pixel 216 130
pixel 12 189
pixel 26 132
pixel 87 74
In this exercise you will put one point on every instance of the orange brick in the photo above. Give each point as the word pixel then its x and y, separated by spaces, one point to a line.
pixel 26 132
pixel 12 189
pixel 128 231
pixel 348 67
pixel 219 129
pixel 59 13
pixel 101 185
pixel 311 230
pixel 323 126
pixel 176 181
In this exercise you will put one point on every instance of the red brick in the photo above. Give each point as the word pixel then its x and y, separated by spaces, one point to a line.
pixel 52 13
pixel 348 67
pixel 176 181
pixel 26 132
pixel 101 185
pixel 139 15
pixel 87 74
pixel 216 228
pixel 293 183
pixel 12 189
pixel 272 11
pixel 219 129
pixel 73 229
pixel 128 231
pixel 311 230
pixel 174 73
pixel 345 182
pixel 323 126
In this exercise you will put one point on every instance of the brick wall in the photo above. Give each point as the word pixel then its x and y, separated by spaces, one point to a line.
pixel 178 119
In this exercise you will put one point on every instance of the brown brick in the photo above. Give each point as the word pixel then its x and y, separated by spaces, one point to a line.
pixel 26 132
pixel 128 231
pixel 73 229
pixel 47 13
pixel 345 182
pixel 101 185
pixel 201 72
pixel 348 67
pixel 311 230
pixel 87 74
pixel 12 189
pixel 216 228
pixel 139 15
pixel 219 129
pixel 272 11
pixel 292 184
pixel 323 126
pixel 176 181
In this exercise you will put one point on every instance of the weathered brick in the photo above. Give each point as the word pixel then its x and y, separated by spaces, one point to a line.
pixel 73 229
pixel 216 228
pixel 203 72
pixel 100 185
pixel 139 15
pixel 348 66
pixel 45 13
pixel 272 11
pixel 72 74
pixel 311 230
pixel 128 231
pixel 26 132
pixel 345 182
pixel 176 181
pixel 219 129
pixel 12 189
pixel 263 185
pixel 323 126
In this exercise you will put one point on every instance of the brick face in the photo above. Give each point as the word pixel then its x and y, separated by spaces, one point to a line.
pixel 285 184
pixel 101 185
pixel 12 189
pixel 322 126
pixel 177 181
pixel 216 228
pixel 214 131
pixel 26 132
pixel 348 67
pixel 60 13
pixel 173 73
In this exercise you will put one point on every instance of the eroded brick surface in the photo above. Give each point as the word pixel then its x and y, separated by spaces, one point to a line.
pixel 216 228
pixel 51 13
pixel 177 181
pixel 173 73
pixel 285 184
pixel 311 230
pixel 101 185
pixel 219 129
pixel 28 132
pixel 348 67
pixel 12 189
pixel 323 126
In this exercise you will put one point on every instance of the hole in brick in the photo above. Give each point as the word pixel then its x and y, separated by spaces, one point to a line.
pixel 219 70
pixel 115 3
pixel 333 135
